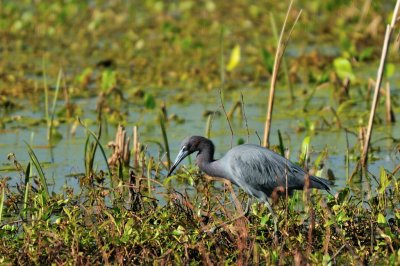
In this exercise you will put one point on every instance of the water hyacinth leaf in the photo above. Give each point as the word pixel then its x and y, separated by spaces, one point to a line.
pixel 390 68
pixel 149 101
pixel 108 79
pixel 342 217
pixel 264 220
pixel 343 68
pixel 381 219
pixel 234 59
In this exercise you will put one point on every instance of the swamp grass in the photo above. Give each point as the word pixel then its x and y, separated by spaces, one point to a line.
pixel 124 53
pixel 125 224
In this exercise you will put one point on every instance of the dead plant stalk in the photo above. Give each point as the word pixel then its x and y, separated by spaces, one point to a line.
pixel 388 34
pixel 280 50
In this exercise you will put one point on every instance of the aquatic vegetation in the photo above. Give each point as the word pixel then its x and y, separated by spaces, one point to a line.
pixel 75 74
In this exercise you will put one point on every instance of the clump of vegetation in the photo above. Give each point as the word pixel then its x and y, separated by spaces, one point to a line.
pixel 133 222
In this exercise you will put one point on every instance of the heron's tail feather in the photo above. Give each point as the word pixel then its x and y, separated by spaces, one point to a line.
pixel 320 183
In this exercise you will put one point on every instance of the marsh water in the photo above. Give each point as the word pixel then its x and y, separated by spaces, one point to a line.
pixel 64 162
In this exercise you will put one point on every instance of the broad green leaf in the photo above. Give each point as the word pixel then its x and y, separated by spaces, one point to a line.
pixel 381 219
pixel 149 101
pixel 389 70
pixel 343 68
pixel 235 58
pixel 108 79
pixel 264 220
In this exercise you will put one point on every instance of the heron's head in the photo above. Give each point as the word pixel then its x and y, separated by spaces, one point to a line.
pixel 189 145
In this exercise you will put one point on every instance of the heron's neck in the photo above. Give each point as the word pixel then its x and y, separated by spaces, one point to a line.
pixel 205 161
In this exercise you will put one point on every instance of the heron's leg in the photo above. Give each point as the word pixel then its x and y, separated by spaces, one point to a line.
pixel 273 215
pixel 248 204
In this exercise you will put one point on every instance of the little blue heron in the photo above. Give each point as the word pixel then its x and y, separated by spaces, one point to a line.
pixel 257 170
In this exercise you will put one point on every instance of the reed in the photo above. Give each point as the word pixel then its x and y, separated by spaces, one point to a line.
pixel 385 48
pixel 103 153
pixel 161 120
pixel 27 188
pixel 2 197
pixel 280 50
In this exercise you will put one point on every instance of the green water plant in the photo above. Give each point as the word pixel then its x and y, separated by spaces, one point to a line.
pixel 161 120
pixel 90 153
pixel 52 134
pixel 27 189
pixel 2 197
pixel 39 170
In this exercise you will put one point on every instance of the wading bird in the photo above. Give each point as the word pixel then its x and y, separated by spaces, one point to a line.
pixel 256 170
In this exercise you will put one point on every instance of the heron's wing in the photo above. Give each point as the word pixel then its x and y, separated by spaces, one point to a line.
pixel 263 169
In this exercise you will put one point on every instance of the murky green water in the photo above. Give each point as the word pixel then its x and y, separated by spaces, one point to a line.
pixel 66 159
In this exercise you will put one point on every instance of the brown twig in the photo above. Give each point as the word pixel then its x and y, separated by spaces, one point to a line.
pixel 245 118
pixel 226 115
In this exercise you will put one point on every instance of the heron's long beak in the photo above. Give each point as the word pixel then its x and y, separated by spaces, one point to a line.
pixel 181 155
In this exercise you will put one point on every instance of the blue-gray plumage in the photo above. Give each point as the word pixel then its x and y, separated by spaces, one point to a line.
pixel 257 170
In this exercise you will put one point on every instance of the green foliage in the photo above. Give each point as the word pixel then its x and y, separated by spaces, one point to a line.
pixel 39 170
pixel 268 59
pixel 108 79
pixel 2 198
pixel 343 68
pixel 390 69
pixel 305 148
pixel 384 181
pixel 149 101
pixel 161 120
pixel 107 232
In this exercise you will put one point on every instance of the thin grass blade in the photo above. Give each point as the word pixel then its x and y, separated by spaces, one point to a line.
pixel 39 169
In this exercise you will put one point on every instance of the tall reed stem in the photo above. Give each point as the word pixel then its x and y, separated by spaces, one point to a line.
pixel 388 34
pixel 280 50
